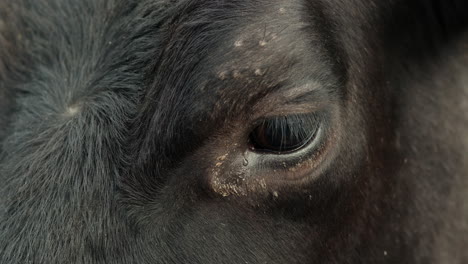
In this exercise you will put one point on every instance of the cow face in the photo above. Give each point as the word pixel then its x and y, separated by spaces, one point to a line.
pixel 233 132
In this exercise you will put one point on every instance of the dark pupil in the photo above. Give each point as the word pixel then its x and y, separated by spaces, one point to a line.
pixel 283 134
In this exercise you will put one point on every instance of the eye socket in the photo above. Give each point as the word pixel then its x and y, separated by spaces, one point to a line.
pixel 284 134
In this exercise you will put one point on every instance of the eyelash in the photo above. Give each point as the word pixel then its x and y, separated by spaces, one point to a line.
pixel 297 130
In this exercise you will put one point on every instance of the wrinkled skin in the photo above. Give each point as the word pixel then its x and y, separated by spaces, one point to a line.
pixel 124 129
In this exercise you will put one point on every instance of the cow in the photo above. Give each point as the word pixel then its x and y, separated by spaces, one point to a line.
pixel 233 131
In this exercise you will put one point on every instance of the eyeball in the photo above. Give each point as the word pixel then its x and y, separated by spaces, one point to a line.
pixel 284 134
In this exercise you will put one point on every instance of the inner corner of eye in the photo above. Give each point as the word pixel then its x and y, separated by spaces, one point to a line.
pixel 283 134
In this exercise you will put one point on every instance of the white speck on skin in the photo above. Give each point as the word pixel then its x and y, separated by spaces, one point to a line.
pixel 222 75
pixel 259 72
pixel 262 43
pixel 263 183
pixel 236 74
pixel 223 157
pixel 238 43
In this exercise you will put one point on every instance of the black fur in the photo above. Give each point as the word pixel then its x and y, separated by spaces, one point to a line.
pixel 119 119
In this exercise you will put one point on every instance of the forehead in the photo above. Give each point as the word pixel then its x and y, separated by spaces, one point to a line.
pixel 273 37
pixel 234 54
pixel 271 46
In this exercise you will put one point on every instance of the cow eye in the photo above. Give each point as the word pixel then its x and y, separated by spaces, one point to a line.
pixel 284 134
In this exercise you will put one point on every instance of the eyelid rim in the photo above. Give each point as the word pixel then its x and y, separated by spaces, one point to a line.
pixel 258 122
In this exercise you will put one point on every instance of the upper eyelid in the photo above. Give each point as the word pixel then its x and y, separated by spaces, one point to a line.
pixel 307 98
pixel 285 109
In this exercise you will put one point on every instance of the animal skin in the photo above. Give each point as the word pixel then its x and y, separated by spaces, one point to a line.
pixel 126 131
